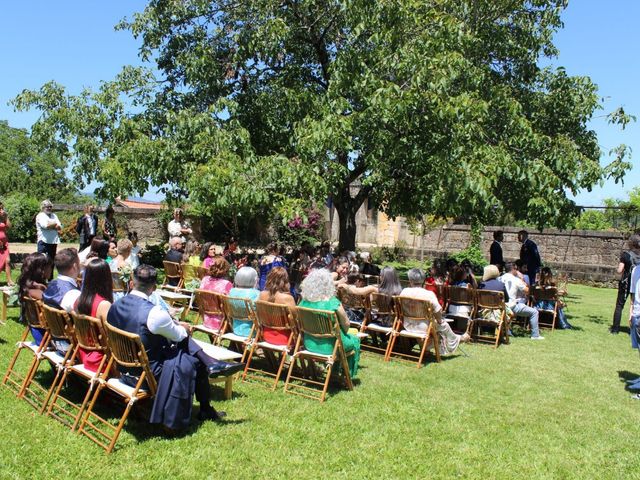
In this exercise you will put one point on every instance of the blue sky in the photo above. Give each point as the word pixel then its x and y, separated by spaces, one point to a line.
pixel 74 43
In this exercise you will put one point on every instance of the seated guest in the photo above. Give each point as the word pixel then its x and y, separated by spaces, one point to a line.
pixel 165 340
pixel 190 260
pixel 245 287
pixel 339 274
pixel 522 268
pixel 518 291
pixel 460 278
pixel 269 261
pixel 449 341
pixel 490 281
pixel 356 285
pixel 134 256
pixel 389 285
pixel 277 290
pixel 63 292
pixel 113 251
pixel 319 292
pixel 216 281
pixel 436 281
pixel 32 282
pixel 95 300
pixel 207 254
pixel 99 248
pixel 176 250
pixel 122 259
pixel 546 281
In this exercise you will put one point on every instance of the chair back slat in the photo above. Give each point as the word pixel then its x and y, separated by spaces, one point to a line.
pixel 461 295
pixel 382 304
pixel 549 294
pixel 118 283
pixel 317 323
pixel 413 309
pixel 238 308
pixel 32 312
pixel 489 299
pixel 274 316
pixel 128 351
pixel 172 269
pixel 209 303
pixel 353 300
pixel 58 322
pixel 89 332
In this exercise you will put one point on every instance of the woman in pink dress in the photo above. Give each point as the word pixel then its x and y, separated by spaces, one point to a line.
pixel 5 263
pixel 216 281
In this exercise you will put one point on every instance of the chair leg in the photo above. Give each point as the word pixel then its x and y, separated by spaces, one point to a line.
pixel 123 419
pixel 283 359
pixel 390 346
pixel 326 383
pixel 248 363
pixel 291 366
pixel 12 364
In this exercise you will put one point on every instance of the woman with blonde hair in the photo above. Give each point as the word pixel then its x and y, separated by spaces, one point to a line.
pixel 319 292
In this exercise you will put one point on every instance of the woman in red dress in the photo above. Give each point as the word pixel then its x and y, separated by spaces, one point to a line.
pixel 5 262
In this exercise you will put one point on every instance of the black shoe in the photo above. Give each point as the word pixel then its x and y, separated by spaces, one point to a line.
pixel 216 416
pixel 224 369
pixel 613 331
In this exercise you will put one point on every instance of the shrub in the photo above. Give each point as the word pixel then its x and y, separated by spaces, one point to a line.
pixel 22 210
pixel 474 255
pixel 299 230
pixel 384 255
pixel 154 255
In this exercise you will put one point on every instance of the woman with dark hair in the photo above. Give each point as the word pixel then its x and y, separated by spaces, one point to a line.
pixel 268 262
pixel 389 285
pixel 109 226
pixel 276 290
pixel 436 282
pixel 36 269
pixel 460 278
pixel 207 254
pixel 216 281
pixel 95 300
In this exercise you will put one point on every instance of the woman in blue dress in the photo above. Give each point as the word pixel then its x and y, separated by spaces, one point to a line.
pixel 268 262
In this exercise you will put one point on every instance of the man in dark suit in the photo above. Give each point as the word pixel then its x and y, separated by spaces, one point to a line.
pixel 176 250
pixel 529 255
pixel 495 251
pixel 87 226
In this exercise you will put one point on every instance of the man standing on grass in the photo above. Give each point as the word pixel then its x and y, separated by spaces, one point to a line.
pixel 48 228
pixel 529 255
pixel 634 320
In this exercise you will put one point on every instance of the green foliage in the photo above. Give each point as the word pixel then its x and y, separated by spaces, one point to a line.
pixel 386 254
pixel 433 108
pixel 593 220
pixel 474 255
pixel 300 229
pixel 153 254
pixel 22 209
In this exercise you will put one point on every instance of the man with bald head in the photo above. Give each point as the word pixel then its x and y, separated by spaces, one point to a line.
pixel 176 250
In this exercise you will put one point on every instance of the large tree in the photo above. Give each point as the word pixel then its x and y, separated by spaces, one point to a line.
pixel 424 106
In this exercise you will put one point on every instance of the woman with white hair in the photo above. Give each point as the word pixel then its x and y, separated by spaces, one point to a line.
pixel 319 292
pixel 244 287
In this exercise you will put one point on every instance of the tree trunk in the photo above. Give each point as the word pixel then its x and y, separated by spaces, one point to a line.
pixel 347 226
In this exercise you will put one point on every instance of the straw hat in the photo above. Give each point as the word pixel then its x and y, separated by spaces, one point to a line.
pixel 490 272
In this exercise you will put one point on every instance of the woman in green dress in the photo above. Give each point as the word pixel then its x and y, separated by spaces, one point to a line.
pixel 318 292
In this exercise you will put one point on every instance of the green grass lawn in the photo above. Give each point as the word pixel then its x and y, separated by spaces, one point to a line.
pixel 551 409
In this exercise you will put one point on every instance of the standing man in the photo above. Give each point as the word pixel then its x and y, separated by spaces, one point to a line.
pixel 48 228
pixel 529 255
pixel 178 227
pixel 495 251
pixel 628 261
pixel 87 226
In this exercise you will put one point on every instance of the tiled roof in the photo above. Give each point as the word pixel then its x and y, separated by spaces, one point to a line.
pixel 139 203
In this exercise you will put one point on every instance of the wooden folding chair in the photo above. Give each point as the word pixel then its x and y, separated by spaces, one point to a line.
pixel 118 284
pixel 60 330
pixel 318 324
pixel 414 309
pixel 172 271
pixel 381 307
pixel 461 296
pixel 210 303
pixel 90 337
pixel 238 309
pixel 547 316
pixel 355 302
pixel 32 313
pixel 275 317
pixel 491 313
pixel 127 351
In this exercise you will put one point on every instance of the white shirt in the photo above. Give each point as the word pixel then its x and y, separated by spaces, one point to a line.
pixel 421 294
pixel 46 234
pixel 515 288
pixel 175 228
pixel 159 322
pixel 635 290
pixel 70 298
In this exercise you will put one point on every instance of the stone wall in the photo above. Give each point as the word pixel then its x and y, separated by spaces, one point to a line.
pixel 586 256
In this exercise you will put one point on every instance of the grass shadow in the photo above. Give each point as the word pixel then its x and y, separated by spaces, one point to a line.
pixel 629 378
